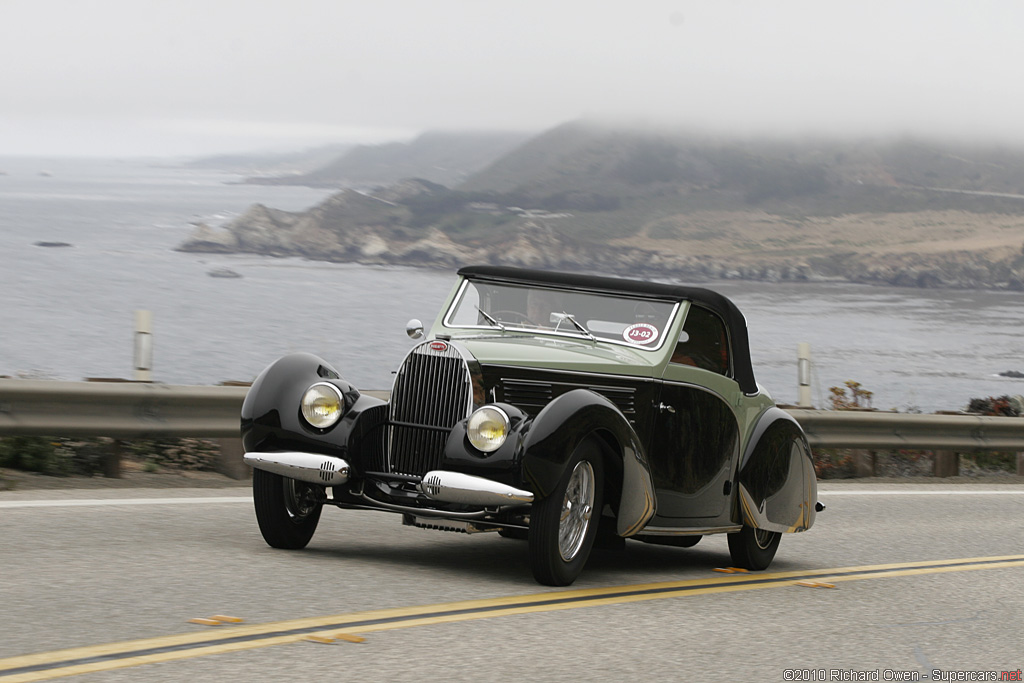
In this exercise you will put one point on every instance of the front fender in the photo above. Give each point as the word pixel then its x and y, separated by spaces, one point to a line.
pixel 777 486
pixel 562 425
pixel 271 417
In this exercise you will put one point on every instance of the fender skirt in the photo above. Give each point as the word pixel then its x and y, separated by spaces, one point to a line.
pixel 777 484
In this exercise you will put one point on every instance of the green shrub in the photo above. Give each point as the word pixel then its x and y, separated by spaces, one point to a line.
pixel 833 463
pixel 175 454
pixel 35 454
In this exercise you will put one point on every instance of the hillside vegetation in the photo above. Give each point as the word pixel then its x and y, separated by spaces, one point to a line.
pixel 668 204
pixel 440 157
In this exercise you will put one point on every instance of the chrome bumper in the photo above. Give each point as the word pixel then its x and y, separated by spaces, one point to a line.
pixel 467 489
pixel 440 485
pixel 311 468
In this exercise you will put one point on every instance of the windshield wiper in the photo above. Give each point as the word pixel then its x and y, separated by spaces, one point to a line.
pixel 571 318
pixel 490 318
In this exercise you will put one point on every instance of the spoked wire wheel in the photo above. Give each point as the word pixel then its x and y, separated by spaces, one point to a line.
pixel 577 511
pixel 301 499
pixel 563 525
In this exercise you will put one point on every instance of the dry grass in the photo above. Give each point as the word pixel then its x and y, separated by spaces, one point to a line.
pixel 749 236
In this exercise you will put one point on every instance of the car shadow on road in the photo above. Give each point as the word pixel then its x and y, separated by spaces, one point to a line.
pixel 507 561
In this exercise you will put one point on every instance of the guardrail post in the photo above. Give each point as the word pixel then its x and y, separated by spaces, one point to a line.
pixel 1020 464
pixel 112 460
pixel 229 462
pixel 143 356
pixel 864 463
pixel 803 374
pixel 946 464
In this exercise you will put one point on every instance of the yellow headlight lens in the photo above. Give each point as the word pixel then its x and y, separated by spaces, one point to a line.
pixel 322 405
pixel 487 428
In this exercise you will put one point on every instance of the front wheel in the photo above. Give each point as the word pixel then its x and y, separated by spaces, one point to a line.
pixel 287 510
pixel 563 525
pixel 753 548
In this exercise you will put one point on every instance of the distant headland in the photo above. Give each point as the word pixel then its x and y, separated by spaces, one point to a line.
pixel 661 204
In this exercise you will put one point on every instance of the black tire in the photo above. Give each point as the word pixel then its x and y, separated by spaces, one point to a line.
pixel 287 510
pixel 753 548
pixel 559 547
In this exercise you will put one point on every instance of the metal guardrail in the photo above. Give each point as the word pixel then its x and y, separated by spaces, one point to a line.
pixel 118 409
pixel 894 431
pixel 139 410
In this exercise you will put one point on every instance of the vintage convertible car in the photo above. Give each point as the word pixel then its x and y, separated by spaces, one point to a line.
pixel 549 406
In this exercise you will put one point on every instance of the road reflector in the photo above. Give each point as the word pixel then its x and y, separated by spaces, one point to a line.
pixel 224 619
pixel 321 639
pixel 723 570
pixel 350 638
pixel 815 584
pixel 204 622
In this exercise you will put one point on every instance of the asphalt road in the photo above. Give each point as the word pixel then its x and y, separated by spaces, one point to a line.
pixel 83 569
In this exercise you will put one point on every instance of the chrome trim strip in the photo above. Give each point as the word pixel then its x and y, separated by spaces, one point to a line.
pixel 632 378
pixel 467 489
pixel 312 468
pixel 689 531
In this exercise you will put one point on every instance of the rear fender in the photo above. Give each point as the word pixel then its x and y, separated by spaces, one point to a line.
pixel 562 425
pixel 777 486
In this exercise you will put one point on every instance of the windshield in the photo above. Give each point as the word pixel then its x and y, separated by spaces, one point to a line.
pixel 618 318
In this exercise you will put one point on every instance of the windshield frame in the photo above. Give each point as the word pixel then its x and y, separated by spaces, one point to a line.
pixel 509 328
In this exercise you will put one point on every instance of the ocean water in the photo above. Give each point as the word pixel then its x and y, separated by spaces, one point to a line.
pixel 67 312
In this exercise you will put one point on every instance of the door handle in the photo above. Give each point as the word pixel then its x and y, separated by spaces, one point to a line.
pixel 665 408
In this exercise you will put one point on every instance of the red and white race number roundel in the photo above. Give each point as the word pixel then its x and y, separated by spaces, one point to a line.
pixel 640 333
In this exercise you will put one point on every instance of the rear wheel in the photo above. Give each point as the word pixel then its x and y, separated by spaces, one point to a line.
pixel 753 548
pixel 287 510
pixel 564 524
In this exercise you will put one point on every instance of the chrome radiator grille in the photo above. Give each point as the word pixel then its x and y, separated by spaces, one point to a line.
pixel 432 392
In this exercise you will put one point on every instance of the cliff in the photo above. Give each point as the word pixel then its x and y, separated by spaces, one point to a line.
pixel 351 227
pixel 662 205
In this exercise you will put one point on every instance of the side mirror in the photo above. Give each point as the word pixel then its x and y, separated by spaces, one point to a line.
pixel 414 328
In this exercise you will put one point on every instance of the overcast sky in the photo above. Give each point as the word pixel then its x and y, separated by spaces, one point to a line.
pixel 185 77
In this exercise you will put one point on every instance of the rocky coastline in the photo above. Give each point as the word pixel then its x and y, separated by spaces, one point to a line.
pixel 352 227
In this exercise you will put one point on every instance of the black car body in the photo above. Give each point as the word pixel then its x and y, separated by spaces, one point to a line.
pixel 547 405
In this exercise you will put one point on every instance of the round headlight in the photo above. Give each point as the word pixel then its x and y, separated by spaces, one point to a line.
pixel 487 428
pixel 322 405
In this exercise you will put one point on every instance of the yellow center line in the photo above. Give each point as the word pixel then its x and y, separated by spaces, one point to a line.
pixel 106 657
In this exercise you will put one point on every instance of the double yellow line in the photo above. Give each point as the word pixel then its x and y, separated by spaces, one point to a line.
pixel 92 659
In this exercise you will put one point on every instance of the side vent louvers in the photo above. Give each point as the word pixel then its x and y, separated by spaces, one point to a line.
pixel 526 395
pixel 532 395
pixel 623 398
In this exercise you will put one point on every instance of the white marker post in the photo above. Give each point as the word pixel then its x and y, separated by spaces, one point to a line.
pixel 803 372
pixel 143 346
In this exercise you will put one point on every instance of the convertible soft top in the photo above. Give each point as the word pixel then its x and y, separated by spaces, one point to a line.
pixel 707 298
